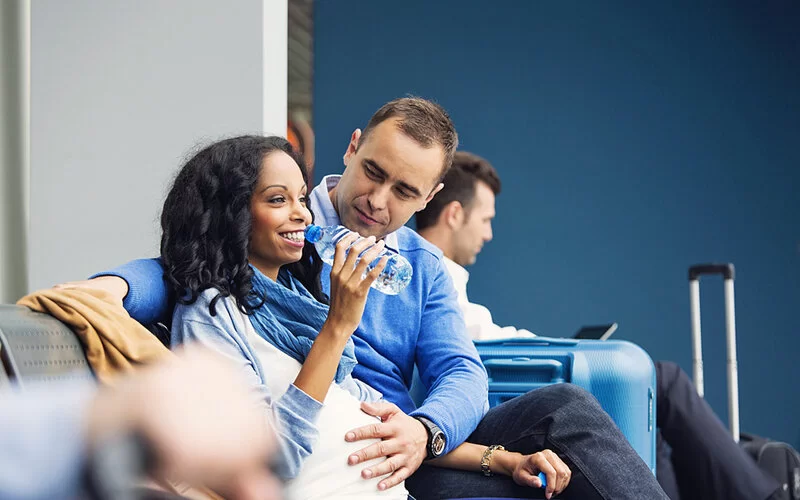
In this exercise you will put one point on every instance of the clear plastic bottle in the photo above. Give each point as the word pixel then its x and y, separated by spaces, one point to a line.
pixel 395 276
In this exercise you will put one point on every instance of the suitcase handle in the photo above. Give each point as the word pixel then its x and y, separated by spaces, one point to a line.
pixel 517 388
pixel 726 270
pixel 531 341
pixel 553 367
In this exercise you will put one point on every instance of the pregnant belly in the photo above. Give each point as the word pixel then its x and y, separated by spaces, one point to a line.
pixel 325 473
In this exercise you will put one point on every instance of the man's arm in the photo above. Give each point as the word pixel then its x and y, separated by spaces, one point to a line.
pixel 449 366
pixel 478 318
pixel 456 402
pixel 148 298
pixel 481 326
pixel 139 285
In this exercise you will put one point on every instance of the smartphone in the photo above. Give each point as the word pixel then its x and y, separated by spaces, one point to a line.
pixel 596 332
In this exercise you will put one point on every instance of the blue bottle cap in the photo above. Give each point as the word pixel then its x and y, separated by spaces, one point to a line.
pixel 313 233
pixel 543 479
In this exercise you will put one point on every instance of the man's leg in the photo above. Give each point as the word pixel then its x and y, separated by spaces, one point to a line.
pixel 708 463
pixel 665 473
pixel 565 419
pixel 434 483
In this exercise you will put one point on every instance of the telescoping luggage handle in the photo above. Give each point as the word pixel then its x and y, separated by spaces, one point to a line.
pixel 727 271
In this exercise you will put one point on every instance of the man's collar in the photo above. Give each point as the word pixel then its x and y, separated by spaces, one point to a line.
pixel 325 213
pixel 457 270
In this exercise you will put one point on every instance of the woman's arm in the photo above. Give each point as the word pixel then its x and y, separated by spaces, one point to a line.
pixel 524 469
pixel 349 289
pixel 292 416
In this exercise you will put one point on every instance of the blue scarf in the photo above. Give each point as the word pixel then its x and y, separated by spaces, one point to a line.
pixel 291 318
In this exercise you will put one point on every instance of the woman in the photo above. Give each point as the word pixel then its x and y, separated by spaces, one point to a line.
pixel 249 287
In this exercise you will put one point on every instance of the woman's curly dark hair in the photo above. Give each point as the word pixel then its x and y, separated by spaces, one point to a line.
pixel 206 224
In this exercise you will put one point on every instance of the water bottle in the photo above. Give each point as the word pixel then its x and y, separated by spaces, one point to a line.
pixel 394 277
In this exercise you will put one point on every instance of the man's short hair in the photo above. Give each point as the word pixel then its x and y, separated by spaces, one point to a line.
pixel 422 120
pixel 459 185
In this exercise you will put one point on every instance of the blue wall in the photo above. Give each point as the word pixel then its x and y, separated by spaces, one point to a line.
pixel 632 141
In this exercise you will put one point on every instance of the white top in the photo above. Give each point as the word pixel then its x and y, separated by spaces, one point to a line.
pixel 477 317
pixel 325 474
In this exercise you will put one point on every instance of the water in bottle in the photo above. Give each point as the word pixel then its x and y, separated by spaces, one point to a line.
pixel 394 277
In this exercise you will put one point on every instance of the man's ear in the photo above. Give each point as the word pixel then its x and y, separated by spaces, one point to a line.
pixel 352 147
pixel 453 214
pixel 430 196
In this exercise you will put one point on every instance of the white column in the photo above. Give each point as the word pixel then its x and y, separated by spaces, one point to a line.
pixel 121 93
pixel 275 66
pixel 14 147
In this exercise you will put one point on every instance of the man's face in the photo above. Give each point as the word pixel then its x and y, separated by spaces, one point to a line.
pixel 388 178
pixel 476 229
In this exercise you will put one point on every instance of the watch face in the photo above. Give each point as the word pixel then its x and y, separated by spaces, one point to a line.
pixel 437 444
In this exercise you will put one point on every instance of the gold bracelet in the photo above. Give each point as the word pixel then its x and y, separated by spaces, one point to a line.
pixel 487 457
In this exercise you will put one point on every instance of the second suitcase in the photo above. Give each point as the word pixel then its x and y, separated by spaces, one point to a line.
pixel 618 373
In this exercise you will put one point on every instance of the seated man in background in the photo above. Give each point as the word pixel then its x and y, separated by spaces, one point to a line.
pixel 189 417
pixel 459 221
pixel 705 462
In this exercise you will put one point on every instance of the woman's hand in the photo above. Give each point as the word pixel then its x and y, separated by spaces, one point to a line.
pixel 348 296
pixel 349 284
pixel 349 288
pixel 558 474
pixel 523 469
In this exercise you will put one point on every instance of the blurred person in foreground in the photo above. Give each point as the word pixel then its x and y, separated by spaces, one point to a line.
pixel 188 418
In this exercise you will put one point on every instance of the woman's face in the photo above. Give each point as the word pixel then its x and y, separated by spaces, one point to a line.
pixel 280 215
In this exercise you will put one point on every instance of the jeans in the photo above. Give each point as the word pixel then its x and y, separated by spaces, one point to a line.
pixel 697 458
pixel 565 419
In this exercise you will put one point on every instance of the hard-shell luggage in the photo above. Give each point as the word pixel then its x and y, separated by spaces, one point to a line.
pixel 618 373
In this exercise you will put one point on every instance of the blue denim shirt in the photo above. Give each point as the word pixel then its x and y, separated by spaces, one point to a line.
pixel 294 413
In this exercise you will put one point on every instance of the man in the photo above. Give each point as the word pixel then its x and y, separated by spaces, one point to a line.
pixel 707 462
pixel 392 170
pixel 192 411
pixel 459 222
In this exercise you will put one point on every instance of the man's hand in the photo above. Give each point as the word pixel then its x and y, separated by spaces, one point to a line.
pixel 403 443
pixel 114 285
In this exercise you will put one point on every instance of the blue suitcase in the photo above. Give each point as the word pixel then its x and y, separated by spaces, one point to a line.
pixel 618 373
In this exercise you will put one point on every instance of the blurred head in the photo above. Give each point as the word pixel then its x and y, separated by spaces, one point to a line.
pixel 394 167
pixel 459 218
pixel 238 201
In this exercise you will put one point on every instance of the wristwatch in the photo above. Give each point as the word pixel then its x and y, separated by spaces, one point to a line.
pixel 436 438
